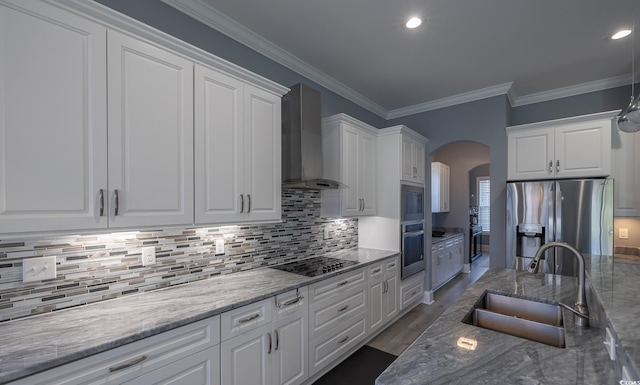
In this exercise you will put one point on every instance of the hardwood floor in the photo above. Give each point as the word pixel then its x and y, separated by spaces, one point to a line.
pixel 397 337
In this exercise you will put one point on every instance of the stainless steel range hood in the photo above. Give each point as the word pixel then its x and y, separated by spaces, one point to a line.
pixel 302 140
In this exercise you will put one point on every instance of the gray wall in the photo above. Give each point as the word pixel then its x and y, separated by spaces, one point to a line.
pixel 481 121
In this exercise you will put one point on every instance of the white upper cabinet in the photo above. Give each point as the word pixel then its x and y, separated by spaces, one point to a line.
pixel 150 134
pixel 237 150
pixel 350 157
pixel 440 187
pixel 53 160
pixel 559 149
pixel 626 174
pixel 412 159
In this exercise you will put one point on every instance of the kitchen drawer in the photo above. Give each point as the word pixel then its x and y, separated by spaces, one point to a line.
pixel 337 285
pixel 376 271
pixel 411 290
pixel 291 302
pixel 331 345
pixel 202 368
pixel 391 266
pixel 129 361
pixel 237 321
pixel 329 314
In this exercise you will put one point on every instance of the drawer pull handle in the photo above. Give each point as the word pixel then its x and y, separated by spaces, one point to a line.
pixel 128 364
pixel 241 203
pixel 249 198
pixel 343 283
pixel 117 209
pixel 345 307
pixel 269 351
pixel 277 338
pixel 343 340
pixel 101 202
pixel 375 271
pixel 391 266
pixel 414 293
pixel 289 302
pixel 249 318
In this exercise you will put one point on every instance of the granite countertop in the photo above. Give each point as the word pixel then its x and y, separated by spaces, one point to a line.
pixel 41 342
pixel 436 358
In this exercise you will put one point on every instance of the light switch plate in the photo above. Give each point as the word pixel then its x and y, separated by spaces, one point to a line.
pixel 148 256
pixel 623 233
pixel 38 269
pixel 219 246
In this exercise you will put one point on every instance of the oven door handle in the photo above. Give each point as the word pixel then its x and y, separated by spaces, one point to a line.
pixel 412 233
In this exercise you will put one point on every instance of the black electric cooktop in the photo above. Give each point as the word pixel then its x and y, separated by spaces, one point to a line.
pixel 314 266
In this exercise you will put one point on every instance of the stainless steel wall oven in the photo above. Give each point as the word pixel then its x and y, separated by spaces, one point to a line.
pixel 412 248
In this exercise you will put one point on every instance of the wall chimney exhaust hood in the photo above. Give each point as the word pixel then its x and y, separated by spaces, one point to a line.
pixel 302 140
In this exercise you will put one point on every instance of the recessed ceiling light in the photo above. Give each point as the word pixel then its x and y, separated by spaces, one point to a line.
pixel 414 22
pixel 620 34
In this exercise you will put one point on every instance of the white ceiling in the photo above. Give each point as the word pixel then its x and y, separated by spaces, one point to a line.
pixel 465 50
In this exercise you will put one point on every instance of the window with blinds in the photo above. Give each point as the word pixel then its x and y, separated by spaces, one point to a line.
pixel 484 203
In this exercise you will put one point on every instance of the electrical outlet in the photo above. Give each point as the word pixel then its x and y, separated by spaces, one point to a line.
pixel 148 256
pixel 325 233
pixel 38 269
pixel 623 233
pixel 219 246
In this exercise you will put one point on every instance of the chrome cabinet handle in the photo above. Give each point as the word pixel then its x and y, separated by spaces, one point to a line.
pixel 269 351
pixel 101 202
pixel 249 318
pixel 289 302
pixel 249 198
pixel 375 271
pixel 241 203
pixel 343 340
pixel 345 307
pixel 115 211
pixel 558 166
pixel 343 283
pixel 277 338
pixel 385 286
pixel 550 166
pixel 128 364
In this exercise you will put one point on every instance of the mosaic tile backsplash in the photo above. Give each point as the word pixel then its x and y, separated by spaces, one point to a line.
pixel 93 268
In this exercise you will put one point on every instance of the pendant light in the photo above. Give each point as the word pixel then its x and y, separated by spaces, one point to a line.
pixel 629 118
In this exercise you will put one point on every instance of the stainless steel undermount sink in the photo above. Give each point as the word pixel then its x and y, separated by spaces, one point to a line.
pixel 526 318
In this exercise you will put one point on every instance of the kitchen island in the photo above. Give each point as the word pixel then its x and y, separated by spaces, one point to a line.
pixel 453 352
pixel 42 342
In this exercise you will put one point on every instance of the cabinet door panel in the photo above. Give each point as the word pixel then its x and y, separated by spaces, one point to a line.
pixel 150 134
pixel 244 359
pixel 289 363
pixel 351 197
pixel 391 297
pixel 53 126
pixel 376 312
pixel 583 149
pixel 368 182
pixel 262 154
pixel 530 153
pixel 218 146
pixel 626 174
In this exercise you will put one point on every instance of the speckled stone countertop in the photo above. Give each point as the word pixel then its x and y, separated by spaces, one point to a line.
pixel 436 358
pixel 37 343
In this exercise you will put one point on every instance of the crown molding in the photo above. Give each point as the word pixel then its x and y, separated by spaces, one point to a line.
pixel 500 89
pixel 578 89
pixel 211 17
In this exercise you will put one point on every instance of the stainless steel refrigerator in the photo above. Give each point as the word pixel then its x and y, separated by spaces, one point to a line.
pixel 579 212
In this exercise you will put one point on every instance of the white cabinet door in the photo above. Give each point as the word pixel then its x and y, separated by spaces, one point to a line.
pixel 440 178
pixel 289 355
pixel 530 154
pixel 219 146
pixel 391 297
pixel 246 359
pixel 583 149
pixel 150 134
pixel 626 174
pixel 376 298
pixel 367 182
pixel 262 140
pixel 352 203
pixel 412 160
pixel 53 134
pixel 237 150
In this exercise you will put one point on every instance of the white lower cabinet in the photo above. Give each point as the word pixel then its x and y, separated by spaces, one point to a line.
pixel 383 293
pixel 447 260
pixel 411 290
pixel 265 342
pixel 187 351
